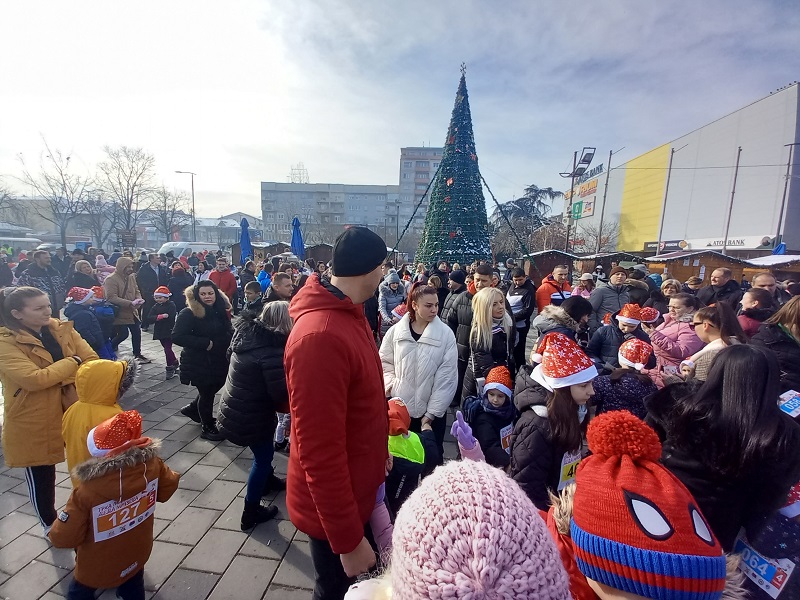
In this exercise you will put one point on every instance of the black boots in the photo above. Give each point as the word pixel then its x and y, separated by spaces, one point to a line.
pixel 254 514
pixel 274 484
pixel 190 410
pixel 211 433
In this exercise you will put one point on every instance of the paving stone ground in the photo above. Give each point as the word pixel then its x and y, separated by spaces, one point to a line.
pixel 199 551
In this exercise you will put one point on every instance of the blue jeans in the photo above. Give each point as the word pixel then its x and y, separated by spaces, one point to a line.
pixel 133 589
pixel 260 471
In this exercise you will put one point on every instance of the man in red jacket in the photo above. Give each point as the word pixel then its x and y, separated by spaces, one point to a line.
pixel 554 284
pixel 224 279
pixel 339 414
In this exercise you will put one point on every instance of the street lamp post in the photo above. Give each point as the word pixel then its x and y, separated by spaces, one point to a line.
pixel 194 217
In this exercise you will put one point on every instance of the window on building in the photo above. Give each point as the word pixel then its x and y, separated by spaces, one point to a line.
pixel 423 164
pixel 421 186
pixel 435 165
pixel 336 219
pixel 408 163
pixel 406 175
pixel 422 176
pixel 281 216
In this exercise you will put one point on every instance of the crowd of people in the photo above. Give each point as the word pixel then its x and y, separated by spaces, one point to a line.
pixel 637 447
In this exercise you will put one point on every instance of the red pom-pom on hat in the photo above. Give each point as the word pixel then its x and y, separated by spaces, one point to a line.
pixel 619 433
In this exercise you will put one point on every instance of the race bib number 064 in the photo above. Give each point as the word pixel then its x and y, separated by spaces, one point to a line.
pixel 768 574
pixel 113 518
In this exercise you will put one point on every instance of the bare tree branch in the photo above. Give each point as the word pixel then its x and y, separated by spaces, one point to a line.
pixel 126 176
pixel 590 238
pixel 63 192
pixel 101 217
pixel 168 212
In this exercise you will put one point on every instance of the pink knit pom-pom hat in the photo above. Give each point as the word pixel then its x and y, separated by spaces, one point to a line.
pixel 469 531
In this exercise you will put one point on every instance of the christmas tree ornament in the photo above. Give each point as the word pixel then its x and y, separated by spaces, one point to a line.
pixel 456 226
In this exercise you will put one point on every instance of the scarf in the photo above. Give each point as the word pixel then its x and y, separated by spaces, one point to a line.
pixel 504 412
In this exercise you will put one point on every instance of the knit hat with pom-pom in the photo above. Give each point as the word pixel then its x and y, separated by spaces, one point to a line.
pixel 499 378
pixel 635 527
pixel 564 363
pixel 469 531
pixel 634 353
pixel 649 314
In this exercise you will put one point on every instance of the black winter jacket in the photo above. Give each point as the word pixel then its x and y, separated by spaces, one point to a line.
pixel 81 280
pixel 483 360
pixel 162 330
pixel 603 348
pixel 148 281
pixel 449 302
pixel 255 388
pixel 638 292
pixel 728 501
pixel 6 275
pixel 460 320
pixel 731 293
pixel 86 324
pixel 406 475
pixel 177 286
pixel 535 461
pixel 786 348
pixel 486 428
pixel 196 326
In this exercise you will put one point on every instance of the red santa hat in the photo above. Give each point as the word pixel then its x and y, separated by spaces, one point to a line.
pixel 649 314
pixel 79 295
pixel 630 314
pixel 162 291
pixel 563 363
pixel 98 292
pixel 116 435
pixel 634 353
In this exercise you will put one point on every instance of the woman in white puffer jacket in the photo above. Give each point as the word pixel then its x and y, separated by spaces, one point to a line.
pixel 420 360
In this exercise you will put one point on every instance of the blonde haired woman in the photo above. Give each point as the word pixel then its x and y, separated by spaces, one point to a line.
pixel 490 338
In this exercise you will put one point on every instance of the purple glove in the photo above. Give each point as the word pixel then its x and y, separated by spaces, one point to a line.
pixel 463 432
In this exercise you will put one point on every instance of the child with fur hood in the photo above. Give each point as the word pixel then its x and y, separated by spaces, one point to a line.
pixel 99 385
pixel 108 518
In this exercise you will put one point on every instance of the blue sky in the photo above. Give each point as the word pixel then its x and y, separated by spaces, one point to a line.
pixel 238 91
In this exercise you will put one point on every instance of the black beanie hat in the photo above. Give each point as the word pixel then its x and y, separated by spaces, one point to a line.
pixel 357 251
pixel 458 276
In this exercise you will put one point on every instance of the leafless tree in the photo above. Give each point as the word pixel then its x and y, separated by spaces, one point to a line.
pixel 62 190
pixel 551 236
pixel 126 177
pixel 101 217
pixel 168 212
pixel 591 239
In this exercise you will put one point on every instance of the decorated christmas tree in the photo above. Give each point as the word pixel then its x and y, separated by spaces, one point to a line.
pixel 456 227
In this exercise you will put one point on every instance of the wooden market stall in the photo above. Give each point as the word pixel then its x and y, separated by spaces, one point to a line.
pixel 684 264
pixel 782 266
pixel 320 252
pixel 538 265
pixel 587 264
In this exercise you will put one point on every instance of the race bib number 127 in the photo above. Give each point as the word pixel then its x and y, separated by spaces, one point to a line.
pixel 113 518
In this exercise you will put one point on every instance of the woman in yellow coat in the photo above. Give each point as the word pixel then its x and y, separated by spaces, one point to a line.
pixel 100 384
pixel 39 357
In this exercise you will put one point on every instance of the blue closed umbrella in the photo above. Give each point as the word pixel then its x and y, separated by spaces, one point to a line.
pixel 298 248
pixel 245 247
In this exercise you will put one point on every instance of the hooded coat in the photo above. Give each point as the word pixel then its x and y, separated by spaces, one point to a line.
pixel 122 291
pixel 109 563
pixel 672 342
pixel 256 385
pixel 554 319
pixel 535 461
pixel 87 324
pixel 751 318
pixel 638 291
pixel 99 384
pixel 389 299
pixel 195 327
pixel 32 384
pixel 607 300
pixel 340 426
pixel 424 373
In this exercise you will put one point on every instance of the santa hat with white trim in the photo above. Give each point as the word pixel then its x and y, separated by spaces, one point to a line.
pixel 162 292
pixel 116 435
pixel 649 314
pixel 630 314
pixel 634 353
pixel 79 295
pixel 563 363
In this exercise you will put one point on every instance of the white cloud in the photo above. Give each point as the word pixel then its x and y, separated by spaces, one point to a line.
pixel 239 91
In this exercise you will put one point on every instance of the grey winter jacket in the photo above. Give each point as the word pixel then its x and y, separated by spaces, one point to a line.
pixel 388 300
pixel 606 300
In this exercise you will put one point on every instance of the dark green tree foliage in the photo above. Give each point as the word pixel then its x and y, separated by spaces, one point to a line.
pixel 456 227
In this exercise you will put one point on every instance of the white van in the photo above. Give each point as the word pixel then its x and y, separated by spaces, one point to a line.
pixel 179 249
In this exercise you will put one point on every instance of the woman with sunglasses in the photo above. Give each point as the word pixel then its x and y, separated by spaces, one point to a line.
pixel 674 339
pixel 717 327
